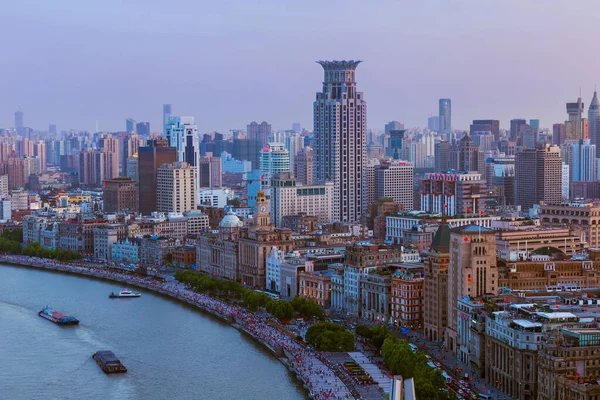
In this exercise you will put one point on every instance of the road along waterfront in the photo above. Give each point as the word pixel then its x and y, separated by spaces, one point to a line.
pixel 309 366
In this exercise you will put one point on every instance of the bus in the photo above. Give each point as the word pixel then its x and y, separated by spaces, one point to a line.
pixel 273 296
pixel 413 347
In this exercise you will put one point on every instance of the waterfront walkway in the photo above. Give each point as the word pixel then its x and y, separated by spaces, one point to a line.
pixel 311 367
pixel 381 378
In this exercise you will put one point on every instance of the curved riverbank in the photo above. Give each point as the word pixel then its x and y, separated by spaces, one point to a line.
pixel 317 377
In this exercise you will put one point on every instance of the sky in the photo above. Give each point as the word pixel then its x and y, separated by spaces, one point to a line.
pixel 229 62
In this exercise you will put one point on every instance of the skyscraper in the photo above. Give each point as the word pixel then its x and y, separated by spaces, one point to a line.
pixel 120 195
pixel 143 128
pixel 574 128
pixel 182 133
pixel 559 134
pixel 583 164
pixel 515 127
pixel 393 126
pixel 274 159
pixel 538 176
pixel 395 143
pixel 445 118
pixel 258 131
pixel 209 170
pixel 150 158
pixel 340 122
pixel 303 166
pixel 166 113
pixel 536 124
pixel 394 179
pixel 110 146
pixel 19 121
pixel 130 125
pixel 52 129
pixel 528 135
pixel 176 189
pixel 594 123
pixel 433 123
pixel 442 154
pixel 485 125
pixel 470 158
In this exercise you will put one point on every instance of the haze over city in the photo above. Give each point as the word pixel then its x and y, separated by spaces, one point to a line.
pixel 231 62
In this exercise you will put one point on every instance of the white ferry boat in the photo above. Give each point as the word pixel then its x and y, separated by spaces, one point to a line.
pixel 123 293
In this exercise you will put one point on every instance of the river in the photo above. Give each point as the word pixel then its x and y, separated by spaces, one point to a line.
pixel 171 350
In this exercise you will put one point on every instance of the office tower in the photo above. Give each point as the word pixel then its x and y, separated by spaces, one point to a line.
pixel 274 159
pixel 528 136
pixel 150 158
pixel 416 154
pixel 247 150
pixel 433 123
pixel 133 170
pixel 472 272
pixel 303 166
pixel 394 180
pixel 445 118
pixel 442 153
pixel 395 144
pixel 110 146
pixel 261 131
pixel 52 129
pixel 176 189
pixel 120 195
pixel 39 151
pixel 469 157
pixel 594 123
pixel 293 144
pixel 538 176
pixel 515 127
pixel 536 124
pixel 435 288
pixel 289 199
pixel 485 125
pixel 393 126
pixel 559 134
pixel 340 148
pixel 166 114
pixel 30 167
pixel 483 140
pixel 130 125
pixel 93 167
pixel 566 181
pixel 182 133
pixel 583 163
pixel 142 129
pixel 453 193
pixel 128 146
pixel 501 182
pixel 19 127
pixel 14 168
pixel 209 170
pixel 573 125
pixel 370 166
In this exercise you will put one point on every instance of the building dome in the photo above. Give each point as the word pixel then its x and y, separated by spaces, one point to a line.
pixel 230 220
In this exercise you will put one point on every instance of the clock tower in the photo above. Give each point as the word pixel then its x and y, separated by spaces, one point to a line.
pixel 262 218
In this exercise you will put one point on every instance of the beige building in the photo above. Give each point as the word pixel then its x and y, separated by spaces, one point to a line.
pixel 435 285
pixel 218 253
pixel 315 285
pixel 472 271
pixel 534 239
pixel 582 218
pixel 176 188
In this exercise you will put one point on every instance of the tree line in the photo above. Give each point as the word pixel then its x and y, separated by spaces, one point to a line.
pixel 10 242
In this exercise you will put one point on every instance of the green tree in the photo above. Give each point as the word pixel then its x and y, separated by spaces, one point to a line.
pixel 282 310
pixel 235 202
pixel 327 336
pixel 364 331
pixel 308 308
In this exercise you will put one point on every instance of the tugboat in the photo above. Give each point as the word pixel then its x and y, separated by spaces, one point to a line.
pixel 109 363
pixel 57 318
pixel 123 293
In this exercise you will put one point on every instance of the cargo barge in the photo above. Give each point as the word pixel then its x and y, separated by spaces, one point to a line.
pixel 57 318
pixel 109 363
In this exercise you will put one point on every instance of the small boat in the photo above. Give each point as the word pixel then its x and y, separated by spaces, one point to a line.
pixel 57 318
pixel 123 293
pixel 109 363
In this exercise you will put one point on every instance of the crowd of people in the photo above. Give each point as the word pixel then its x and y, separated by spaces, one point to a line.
pixel 318 378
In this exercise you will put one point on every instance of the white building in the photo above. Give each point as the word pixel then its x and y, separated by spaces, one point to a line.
pixel 19 199
pixel 287 199
pixel 4 185
pixel 340 145
pixel 352 293
pixel 273 269
pixel 565 186
pixel 233 166
pixel 176 187
pixel 5 210
pixel 394 179
pixel 103 241
pixel 215 197
pixel 182 133
pixel 126 251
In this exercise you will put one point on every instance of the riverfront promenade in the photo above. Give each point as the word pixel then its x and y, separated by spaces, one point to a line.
pixel 310 367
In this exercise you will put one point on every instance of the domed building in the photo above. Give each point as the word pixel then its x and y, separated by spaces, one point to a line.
pixel 230 225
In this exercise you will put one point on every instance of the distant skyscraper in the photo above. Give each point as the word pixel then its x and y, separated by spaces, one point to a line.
pixel 515 127
pixel 574 128
pixel 293 143
pixel 110 146
pixel 274 159
pixel 394 179
pixel 303 166
pixel 182 133
pixel 470 158
pixel 559 134
pixel 485 125
pixel 340 148
pixel 433 123
pixel 52 129
pixel 538 176
pixel 594 123
pixel 528 135
pixel 442 154
pixel 130 125
pixel 247 150
pixel 445 117
pixel 393 126
pixel 258 131
pixel 176 189
pixel 583 164
pixel 296 127
pixel 150 158
pixel 395 143
pixel 167 111
pixel 209 170
pixel 536 124
pixel 19 121
pixel 143 128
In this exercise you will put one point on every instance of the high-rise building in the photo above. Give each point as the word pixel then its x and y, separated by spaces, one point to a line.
pixel 467 157
pixel 395 144
pixel 566 182
pixel 442 154
pixel 120 195
pixel 247 150
pixel 176 189
pixel 209 170
pixel 143 129
pixel 133 170
pixel 130 125
pixel 472 271
pixel 166 114
pixel 370 166
pixel 294 143
pixel 128 146
pixel 453 193
pixel 445 118
pixel 486 125
pixel 4 185
pixel 528 136
pixel 303 166
pixel 536 124
pixel 261 131
pixel 274 159
pixel 559 134
pixel 435 289
pixel 340 122
pixel 19 121
pixel 110 146
pixel 538 176
pixel 52 129
pixel 433 123
pixel 92 167
pixel 39 151
pixel 515 127
pixel 594 123
pixel 182 133
pixel 573 126
pixel 583 163
pixel 394 180
pixel 393 126
pixel 150 158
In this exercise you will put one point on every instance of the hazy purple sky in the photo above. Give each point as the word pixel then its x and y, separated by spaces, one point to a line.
pixel 73 62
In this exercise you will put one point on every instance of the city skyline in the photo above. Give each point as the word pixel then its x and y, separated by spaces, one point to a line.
pixel 109 82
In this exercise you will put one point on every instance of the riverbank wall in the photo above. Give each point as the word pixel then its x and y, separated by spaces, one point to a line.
pixel 89 272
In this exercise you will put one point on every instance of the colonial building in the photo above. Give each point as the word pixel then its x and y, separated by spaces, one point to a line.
pixel 435 289
pixel 582 218
pixel 218 253
pixel 407 298
pixel 316 285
